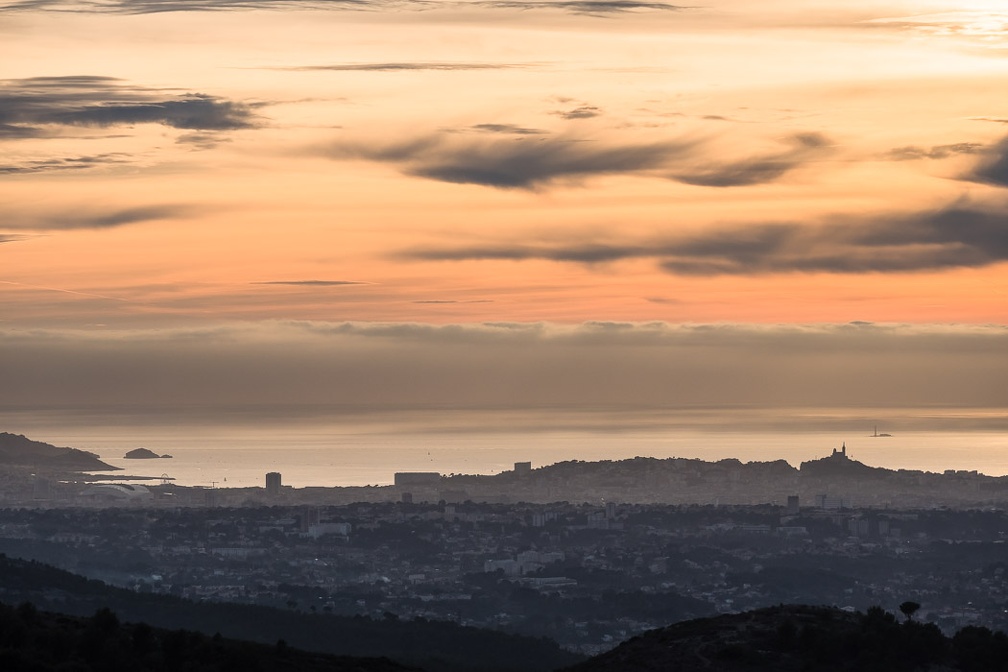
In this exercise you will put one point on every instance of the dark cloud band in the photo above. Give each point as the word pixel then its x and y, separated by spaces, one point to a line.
pixel 530 163
pixel 959 236
pixel 33 107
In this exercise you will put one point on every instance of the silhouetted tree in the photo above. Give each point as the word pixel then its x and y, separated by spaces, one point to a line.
pixel 909 609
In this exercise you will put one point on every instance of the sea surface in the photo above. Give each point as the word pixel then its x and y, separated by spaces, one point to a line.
pixel 344 449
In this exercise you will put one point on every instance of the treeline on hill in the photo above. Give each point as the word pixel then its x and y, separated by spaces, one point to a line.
pixel 436 646
pixel 799 638
pixel 32 640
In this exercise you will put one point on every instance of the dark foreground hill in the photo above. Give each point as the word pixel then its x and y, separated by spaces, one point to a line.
pixel 40 641
pixel 435 646
pixel 21 451
pixel 801 638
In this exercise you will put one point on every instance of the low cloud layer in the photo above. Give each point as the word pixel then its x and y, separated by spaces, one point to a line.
pixel 530 163
pixel 960 236
pixel 506 366
pixel 38 106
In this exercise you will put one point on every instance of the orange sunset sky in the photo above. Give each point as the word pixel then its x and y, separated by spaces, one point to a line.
pixel 503 202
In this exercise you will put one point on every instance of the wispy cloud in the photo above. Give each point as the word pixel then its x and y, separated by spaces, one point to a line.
pixel 912 152
pixel 959 236
pixel 580 112
pixel 160 6
pixel 35 106
pixel 597 8
pixel 85 218
pixel 983 28
pixel 69 163
pixel 450 301
pixel 586 7
pixel 506 129
pixel 313 283
pixel 405 66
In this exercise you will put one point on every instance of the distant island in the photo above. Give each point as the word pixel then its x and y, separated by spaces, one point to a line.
pixel 144 454
pixel 18 450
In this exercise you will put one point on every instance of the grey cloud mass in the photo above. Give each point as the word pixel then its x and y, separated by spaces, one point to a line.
pixel 757 170
pixel 535 162
pixel 994 169
pixel 959 236
pixel 514 163
pixel 32 107
pixel 588 366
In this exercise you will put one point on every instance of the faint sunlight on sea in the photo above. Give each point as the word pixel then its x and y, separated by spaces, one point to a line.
pixel 236 450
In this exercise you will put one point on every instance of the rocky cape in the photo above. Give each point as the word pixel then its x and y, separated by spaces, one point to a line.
pixel 18 450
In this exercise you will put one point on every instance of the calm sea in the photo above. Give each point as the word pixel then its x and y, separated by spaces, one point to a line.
pixel 236 450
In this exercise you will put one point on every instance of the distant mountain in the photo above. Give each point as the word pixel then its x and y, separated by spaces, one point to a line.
pixel 40 640
pixel 435 646
pixel 16 449
pixel 795 638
